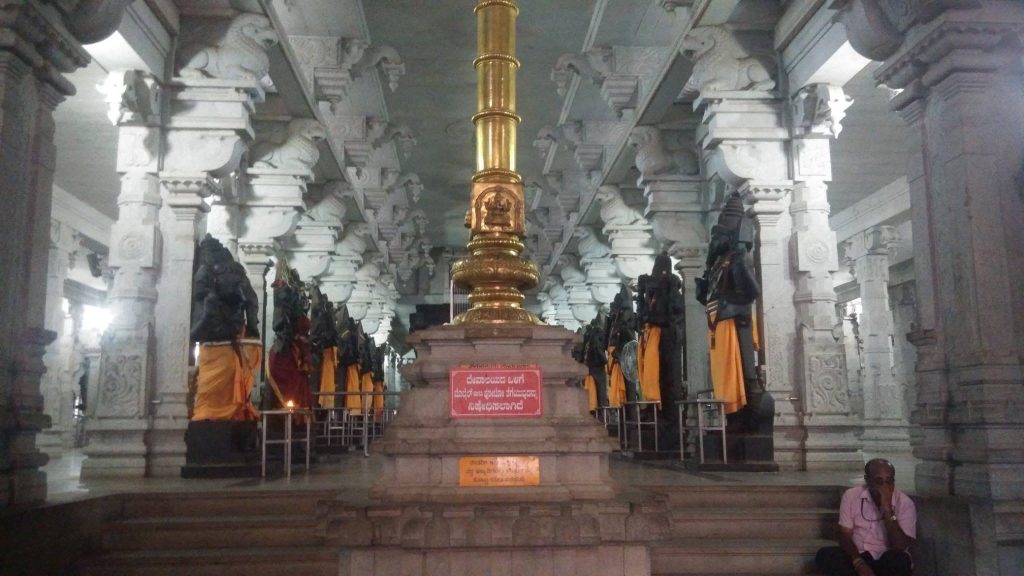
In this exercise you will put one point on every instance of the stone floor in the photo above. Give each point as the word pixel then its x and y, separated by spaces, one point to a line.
pixel 354 474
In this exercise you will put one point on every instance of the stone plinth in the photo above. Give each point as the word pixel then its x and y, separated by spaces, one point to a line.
pixel 423 444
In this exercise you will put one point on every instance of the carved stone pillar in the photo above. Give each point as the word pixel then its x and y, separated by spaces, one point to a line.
pixel 362 302
pixel 209 129
pixel 281 168
pixel 603 280
pixel 964 215
pixel 904 319
pixel 311 247
pixel 581 302
pixel 769 208
pixel 959 68
pixel 675 206
pixel 817 113
pixel 885 425
pixel 744 137
pixel 340 281
pixel 118 424
pixel 563 311
pixel 56 386
pixel 628 233
pixel 41 42
pixel 183 207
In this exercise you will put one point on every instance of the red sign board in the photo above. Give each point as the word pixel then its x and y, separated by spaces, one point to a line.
pixel 499 392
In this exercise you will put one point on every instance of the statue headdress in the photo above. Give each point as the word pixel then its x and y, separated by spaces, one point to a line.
pixel 732 214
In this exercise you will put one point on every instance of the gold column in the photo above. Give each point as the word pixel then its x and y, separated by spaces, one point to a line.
pixel 495 271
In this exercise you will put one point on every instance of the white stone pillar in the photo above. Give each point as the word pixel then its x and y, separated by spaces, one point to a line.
pixel 41 42
pixel 677 210
pixel 281 168
pixel 55 386
pixel 817 114
pixel 962 94
pixel 119 408
pixel 904 318
pixel 745 140
pixel 179 219
pixel 581 302
pixel 885 426
pixel 628 233
pixel 209 130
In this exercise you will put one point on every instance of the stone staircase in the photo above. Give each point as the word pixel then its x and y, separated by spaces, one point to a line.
pixel 678 530
pixel 744 530
pixel 224 534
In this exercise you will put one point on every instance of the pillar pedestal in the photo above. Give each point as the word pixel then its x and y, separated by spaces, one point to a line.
pixel 423 445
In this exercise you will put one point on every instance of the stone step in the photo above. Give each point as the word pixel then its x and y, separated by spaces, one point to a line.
pixel 215 532
pixel 212 504
pixel 765 523
pixel 752 497
pixel 735 556
pixel 290 561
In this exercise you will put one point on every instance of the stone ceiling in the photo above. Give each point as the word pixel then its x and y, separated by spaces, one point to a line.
pixel 436 96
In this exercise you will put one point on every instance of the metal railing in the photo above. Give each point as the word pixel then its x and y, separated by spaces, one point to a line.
pixel 351 426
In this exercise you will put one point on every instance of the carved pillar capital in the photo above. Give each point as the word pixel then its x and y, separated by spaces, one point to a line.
pixel 226 49
pixel 726 60
pixel 326 64
pixel 819 109
pixel 655 162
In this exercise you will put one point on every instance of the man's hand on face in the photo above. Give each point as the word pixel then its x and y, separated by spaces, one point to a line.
pixel 881 481
pixel 885 497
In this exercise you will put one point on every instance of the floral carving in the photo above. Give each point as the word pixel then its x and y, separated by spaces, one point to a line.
pixel 120 386
pixel 826 388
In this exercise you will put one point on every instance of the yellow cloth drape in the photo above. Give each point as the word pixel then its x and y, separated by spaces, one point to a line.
pixel 649 363
pixel 591 385
pixel 616 381
pixel 225 381
pixel 327 369
pixel 354 402
pixel 727 364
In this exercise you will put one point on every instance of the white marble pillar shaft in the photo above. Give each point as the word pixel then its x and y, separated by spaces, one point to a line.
pixel 183 206
pixel 119 407
pixel 56 386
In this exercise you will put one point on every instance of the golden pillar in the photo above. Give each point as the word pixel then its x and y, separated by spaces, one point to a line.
pixel 495 271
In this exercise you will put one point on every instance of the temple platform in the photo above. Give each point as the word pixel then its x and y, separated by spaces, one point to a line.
pixel 663 519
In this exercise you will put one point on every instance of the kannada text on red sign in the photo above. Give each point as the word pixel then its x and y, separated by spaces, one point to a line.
pixel 495 392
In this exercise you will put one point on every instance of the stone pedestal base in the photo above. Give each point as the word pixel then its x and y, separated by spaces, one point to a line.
pixel 116 449
pixel 423 445
pixel 221 449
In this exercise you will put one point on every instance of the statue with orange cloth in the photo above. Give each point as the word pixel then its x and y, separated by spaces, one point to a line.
pixel 220 440
pixel 661 317
pixel 224 310
pixel 349 378
pixel 323 339
pixel 621 321
pixel 290 359
pixel 593 355
pixel 729 289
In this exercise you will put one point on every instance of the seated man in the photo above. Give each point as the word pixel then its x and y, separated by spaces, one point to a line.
pixel 877 524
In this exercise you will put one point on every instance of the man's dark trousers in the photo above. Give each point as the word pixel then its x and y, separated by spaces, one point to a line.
pixel 833 561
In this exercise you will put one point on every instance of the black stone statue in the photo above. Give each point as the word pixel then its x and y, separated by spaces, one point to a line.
pixel 661 310
pixel 728 289
pixel 620 329
pixel 595 356
pixel 223 300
